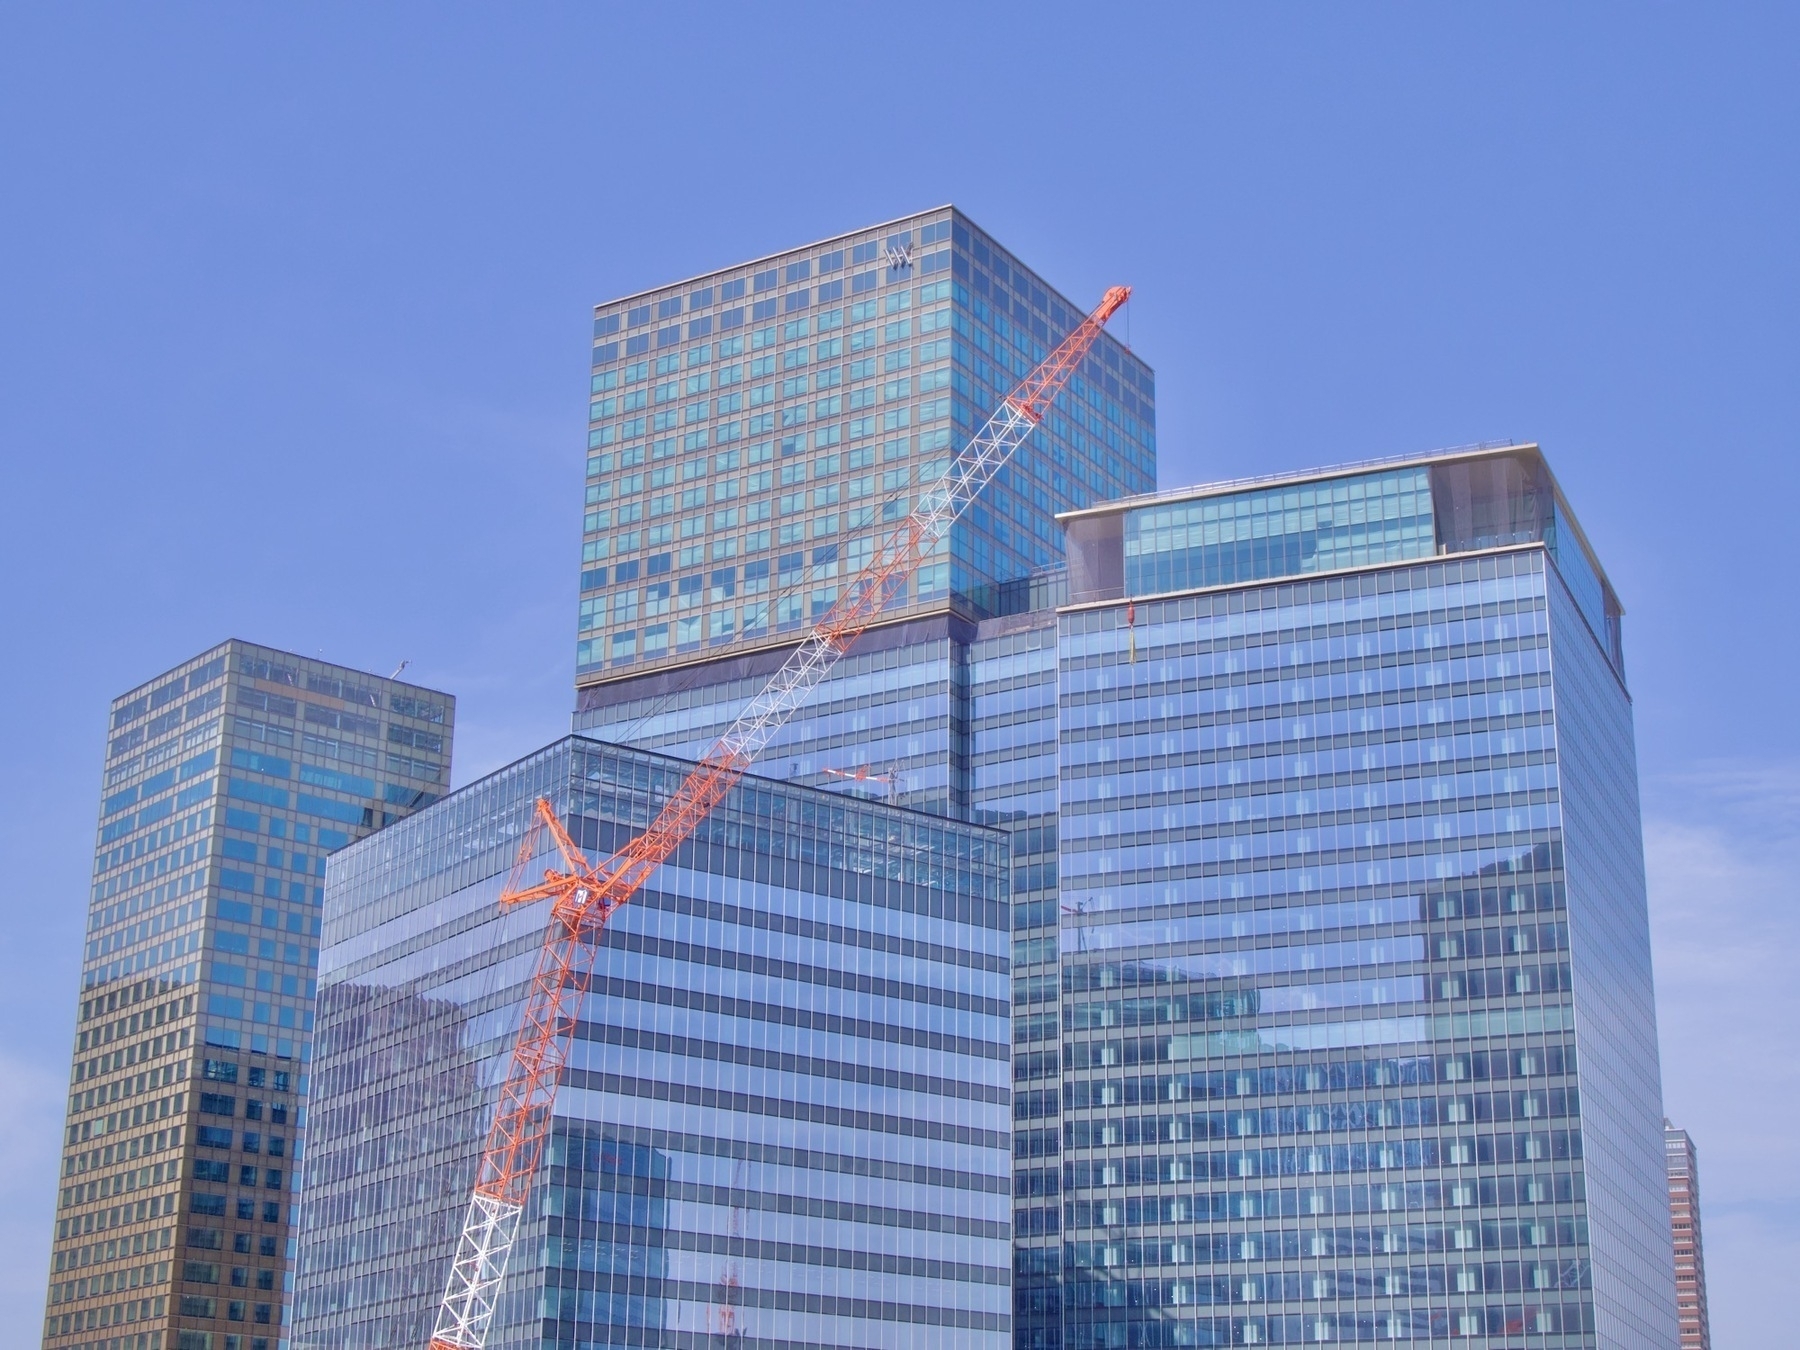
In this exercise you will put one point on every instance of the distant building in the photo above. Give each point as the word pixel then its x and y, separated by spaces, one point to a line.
pixel 228 782
pixel 751 427
pixel 785 1118
pixel 1690 1253
pixel 1333 1013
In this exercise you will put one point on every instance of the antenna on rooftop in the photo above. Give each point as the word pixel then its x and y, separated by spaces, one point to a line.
pixel 402 666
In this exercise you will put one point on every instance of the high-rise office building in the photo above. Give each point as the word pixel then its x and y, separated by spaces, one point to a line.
pixel 1357 1014
pixel 228 782
pixel 752 427
pixel 1690 1252
pixel 785 1116
pixel 1333 1009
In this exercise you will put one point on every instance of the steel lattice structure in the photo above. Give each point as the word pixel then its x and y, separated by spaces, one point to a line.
pixel 585 894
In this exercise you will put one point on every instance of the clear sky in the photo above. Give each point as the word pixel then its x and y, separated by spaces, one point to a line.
pixel 294 304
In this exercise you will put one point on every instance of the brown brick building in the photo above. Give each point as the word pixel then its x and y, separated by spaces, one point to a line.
pixel 1690 1257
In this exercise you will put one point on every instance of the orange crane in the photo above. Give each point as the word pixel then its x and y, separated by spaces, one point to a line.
pixel 584 895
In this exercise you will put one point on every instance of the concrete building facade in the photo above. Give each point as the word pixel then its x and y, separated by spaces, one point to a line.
pixel 229 780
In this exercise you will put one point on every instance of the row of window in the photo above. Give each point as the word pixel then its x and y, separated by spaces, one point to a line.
pixel 113 1281
pixel 108 1250
pixel 213 1239
pixel 195 1305
pixel 334 719
pixel 162 724
pixel 246 1210
pixel 240 1277
pixel 823 377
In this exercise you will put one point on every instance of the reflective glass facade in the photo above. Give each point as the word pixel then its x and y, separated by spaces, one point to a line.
pixel 229 781
pixel 786 1117
pixel 894 710
pixel 1355 971
pixel 751 428
pixel 1333 1017
pixel 1452 502
pixel 1357 1017
pixel 1247 536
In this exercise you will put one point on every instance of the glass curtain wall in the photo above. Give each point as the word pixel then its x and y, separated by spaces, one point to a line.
pixel 786 1117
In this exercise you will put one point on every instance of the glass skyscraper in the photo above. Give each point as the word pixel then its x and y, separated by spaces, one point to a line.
pixel 785 1120
pixel 751 428
pixel 1357 1017
pixel 228 782
pixel 1333 1016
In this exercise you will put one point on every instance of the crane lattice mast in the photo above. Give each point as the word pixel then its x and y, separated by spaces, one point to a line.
pixel 585 894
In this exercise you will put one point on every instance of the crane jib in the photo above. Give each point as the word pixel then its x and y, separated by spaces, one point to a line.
pixel 586 894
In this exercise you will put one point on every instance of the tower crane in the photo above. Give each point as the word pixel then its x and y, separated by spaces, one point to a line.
pixel 861 774
pixel 584 895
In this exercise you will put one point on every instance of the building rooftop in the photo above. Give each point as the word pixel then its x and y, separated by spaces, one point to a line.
pixel 1224 486
pixel 1341 518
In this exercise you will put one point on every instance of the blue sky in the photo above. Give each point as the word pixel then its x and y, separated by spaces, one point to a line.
pixel 294 302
